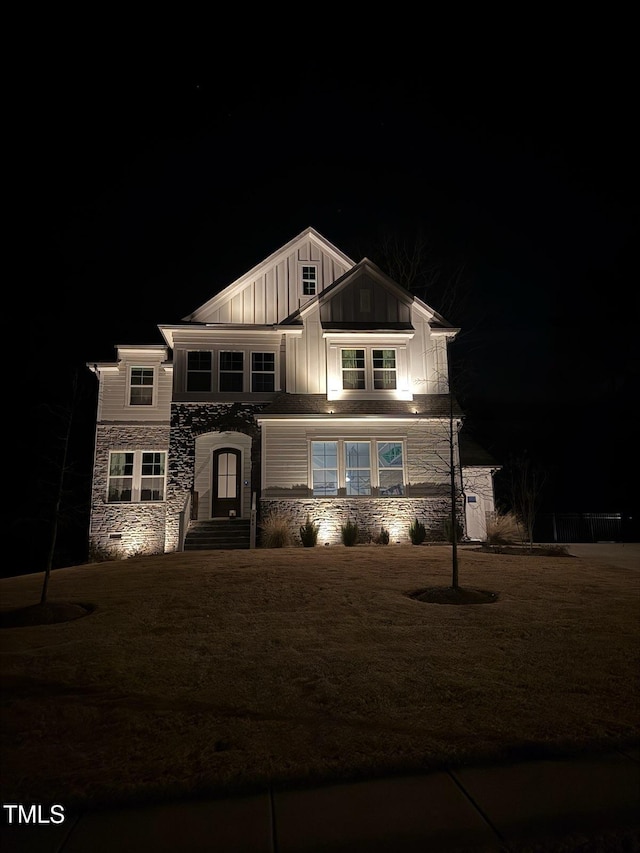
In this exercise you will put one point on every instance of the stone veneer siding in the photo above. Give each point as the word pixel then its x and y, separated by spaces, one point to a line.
pixel 125 529
pixel 189 420
pixel 370 514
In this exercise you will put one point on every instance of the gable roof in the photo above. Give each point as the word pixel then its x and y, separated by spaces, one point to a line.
pixel 367 271
pixel 308 235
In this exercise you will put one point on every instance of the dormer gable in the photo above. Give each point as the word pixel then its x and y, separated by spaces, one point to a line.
pixel 365 298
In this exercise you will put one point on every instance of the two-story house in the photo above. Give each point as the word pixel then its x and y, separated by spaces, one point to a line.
pixel 312 385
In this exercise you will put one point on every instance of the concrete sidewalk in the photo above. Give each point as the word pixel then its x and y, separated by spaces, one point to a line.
pixel 590 803
pixel 623 555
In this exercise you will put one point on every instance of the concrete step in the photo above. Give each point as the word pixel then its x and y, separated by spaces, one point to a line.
pixel 218 534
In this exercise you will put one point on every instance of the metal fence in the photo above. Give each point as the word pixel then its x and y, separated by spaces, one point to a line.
pixel 579 527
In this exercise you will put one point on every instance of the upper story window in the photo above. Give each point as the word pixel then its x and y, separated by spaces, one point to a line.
pixel 309 280
pixel 363 369
pixel 384 368
pixel 263 371
pixel 353 369
pixel 141 386
pixel 199 371
pixel 231 371
pixel 136 475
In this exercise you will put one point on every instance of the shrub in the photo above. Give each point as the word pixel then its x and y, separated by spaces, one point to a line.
pixel 383 537
pixel 275 531
pixel 349 533
pixel 417 532
pixel 102 553
pixel 309 533
pixel 504 529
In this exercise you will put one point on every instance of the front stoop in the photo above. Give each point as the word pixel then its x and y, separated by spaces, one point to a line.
pixel 218 534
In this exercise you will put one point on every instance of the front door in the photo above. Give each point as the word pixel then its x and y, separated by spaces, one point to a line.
pixel 226 482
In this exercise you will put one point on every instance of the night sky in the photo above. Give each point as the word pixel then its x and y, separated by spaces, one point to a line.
pixel 144 191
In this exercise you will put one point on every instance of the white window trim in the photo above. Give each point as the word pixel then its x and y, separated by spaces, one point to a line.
pixel 335 345
pixel 369 371
pixel 251 370
pixel 315 265
pixel 373 458
pixel 154 386
pixel 136 477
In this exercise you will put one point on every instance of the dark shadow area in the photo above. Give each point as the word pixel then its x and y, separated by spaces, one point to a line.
pixel 49 613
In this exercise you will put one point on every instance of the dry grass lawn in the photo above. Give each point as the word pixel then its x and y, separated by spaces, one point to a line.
pixel 224 670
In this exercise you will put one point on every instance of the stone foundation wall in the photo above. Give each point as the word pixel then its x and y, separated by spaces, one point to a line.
pixel 370 514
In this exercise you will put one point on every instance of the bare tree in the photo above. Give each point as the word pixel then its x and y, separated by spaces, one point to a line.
pixel 526 480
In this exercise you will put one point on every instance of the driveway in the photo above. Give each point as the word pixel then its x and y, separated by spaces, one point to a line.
pixel 624 555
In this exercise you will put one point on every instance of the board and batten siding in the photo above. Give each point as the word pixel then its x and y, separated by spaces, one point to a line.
pixel 275 293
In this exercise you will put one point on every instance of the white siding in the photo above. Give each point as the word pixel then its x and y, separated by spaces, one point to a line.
pixel 114 388
pixel 273 293
pixel 426 448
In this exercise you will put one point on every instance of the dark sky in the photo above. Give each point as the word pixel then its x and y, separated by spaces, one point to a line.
pixel 145 190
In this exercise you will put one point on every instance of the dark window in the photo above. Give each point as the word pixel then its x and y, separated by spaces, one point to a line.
pixel 231 371
pixel 263 375
pixel 199 366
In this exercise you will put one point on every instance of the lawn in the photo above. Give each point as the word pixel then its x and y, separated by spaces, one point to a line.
pixel 222 671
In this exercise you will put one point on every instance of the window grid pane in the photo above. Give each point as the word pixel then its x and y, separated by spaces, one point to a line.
pixel 136 476
pixel 324 462
pixel 390 468
pixel 263 376
pixel 357 467
pixel 231 371
pixel 199 371
pixel 384 368
pixel 141 386
pixel 353 377
pixel 309 281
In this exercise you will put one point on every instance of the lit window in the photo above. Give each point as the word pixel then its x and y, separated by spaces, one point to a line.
pixel 384 368
pixel 369 369
pixel 263 371
pixel 141 386
pixel 309 281
pixel 199 367
pixel 353 369
pixel 136 475
pixel 324 464
pixel 231 371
